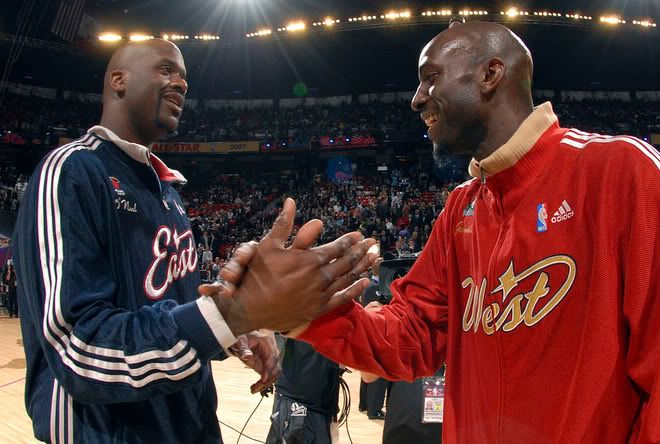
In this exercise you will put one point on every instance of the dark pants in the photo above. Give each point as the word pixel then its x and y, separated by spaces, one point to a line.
pixel 403 423
pixel 293 423
pixel 372 396
pixel 12 302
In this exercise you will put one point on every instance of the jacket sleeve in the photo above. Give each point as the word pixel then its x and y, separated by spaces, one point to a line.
pixel 98 351
pixel 641 282
pixel 407 339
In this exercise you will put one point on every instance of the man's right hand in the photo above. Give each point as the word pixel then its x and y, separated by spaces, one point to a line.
pixel 283 288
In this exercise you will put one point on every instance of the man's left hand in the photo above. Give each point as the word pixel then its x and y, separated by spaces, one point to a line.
pixel 258 350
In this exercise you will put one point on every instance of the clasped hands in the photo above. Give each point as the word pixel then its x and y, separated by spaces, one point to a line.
pixel 270 287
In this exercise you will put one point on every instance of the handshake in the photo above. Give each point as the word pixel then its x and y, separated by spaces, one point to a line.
pixel 268 286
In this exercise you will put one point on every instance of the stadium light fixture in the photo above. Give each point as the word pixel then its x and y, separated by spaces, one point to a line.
pixel 136 37
pixel 465 12
pixel 578 16
pixel 328 21
pixel 109 37
pixel 295 27
pixel 394 15
pixel 299 25
pixel 611 20
pixel 260 33
pixel 364 18
pixel 514 12
pixel 644 23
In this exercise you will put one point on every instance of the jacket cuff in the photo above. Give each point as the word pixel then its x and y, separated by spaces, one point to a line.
pixel 203 325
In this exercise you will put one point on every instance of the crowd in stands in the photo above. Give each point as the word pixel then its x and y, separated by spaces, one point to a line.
pixel 302 123
pixel 25 118
pixel 638 119
pixel 398 209
pixel 12 184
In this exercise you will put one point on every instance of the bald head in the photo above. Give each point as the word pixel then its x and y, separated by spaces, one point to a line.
pixel 129 55
pixel 483 41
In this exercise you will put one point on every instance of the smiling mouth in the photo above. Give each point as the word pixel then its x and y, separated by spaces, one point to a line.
pixel 178 108
pixel 175 103
pixel 431 120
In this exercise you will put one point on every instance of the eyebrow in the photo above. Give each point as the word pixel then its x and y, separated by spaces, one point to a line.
pixel 428 64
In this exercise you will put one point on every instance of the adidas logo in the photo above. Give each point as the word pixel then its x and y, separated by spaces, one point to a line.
pixel 564 212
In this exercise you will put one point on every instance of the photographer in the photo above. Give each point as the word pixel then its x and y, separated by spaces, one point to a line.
pixel 306 397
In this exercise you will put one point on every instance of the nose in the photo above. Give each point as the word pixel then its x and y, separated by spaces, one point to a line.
pixel 180 84
pixel 420 99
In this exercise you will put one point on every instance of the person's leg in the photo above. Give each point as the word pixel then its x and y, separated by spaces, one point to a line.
pixel 276 422
pixel 364 387
pixel 376 398
pixel 13 303
pixel 4 297
pixel 316 428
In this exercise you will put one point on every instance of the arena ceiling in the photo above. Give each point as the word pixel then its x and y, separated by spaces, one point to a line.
pixel 377 59
pixel 225 16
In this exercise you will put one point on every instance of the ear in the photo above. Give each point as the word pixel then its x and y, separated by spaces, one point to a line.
pixel 118 81
pixel 493 75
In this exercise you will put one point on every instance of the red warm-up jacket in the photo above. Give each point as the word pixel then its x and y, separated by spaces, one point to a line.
pixel 539 288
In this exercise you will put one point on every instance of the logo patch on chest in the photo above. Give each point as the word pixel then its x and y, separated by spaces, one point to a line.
pixel 528 307
pixel 117 186
pixel 167 266
pixel 541 218
pixel 564 212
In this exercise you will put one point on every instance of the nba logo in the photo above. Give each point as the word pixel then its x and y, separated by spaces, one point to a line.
pixel 542 217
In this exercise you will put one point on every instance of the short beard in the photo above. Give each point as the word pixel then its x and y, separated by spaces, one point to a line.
pixel 450 166
pixel 439 152
pixel 466 145
pixel 158 122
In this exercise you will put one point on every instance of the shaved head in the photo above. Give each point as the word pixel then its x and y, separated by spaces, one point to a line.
pixel 472 75
pixel 129 54
pixel 486 40
pixel 143 90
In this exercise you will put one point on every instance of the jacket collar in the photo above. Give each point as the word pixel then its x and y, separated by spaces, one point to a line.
pixel 523 156
pixel 140 153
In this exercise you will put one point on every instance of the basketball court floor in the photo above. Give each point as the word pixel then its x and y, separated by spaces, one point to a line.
pixel 232 379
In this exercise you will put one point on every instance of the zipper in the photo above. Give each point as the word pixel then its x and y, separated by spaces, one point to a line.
pixel 490 271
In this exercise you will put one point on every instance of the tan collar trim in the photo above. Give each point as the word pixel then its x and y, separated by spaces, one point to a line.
pixel 136 151
pixel 525 137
